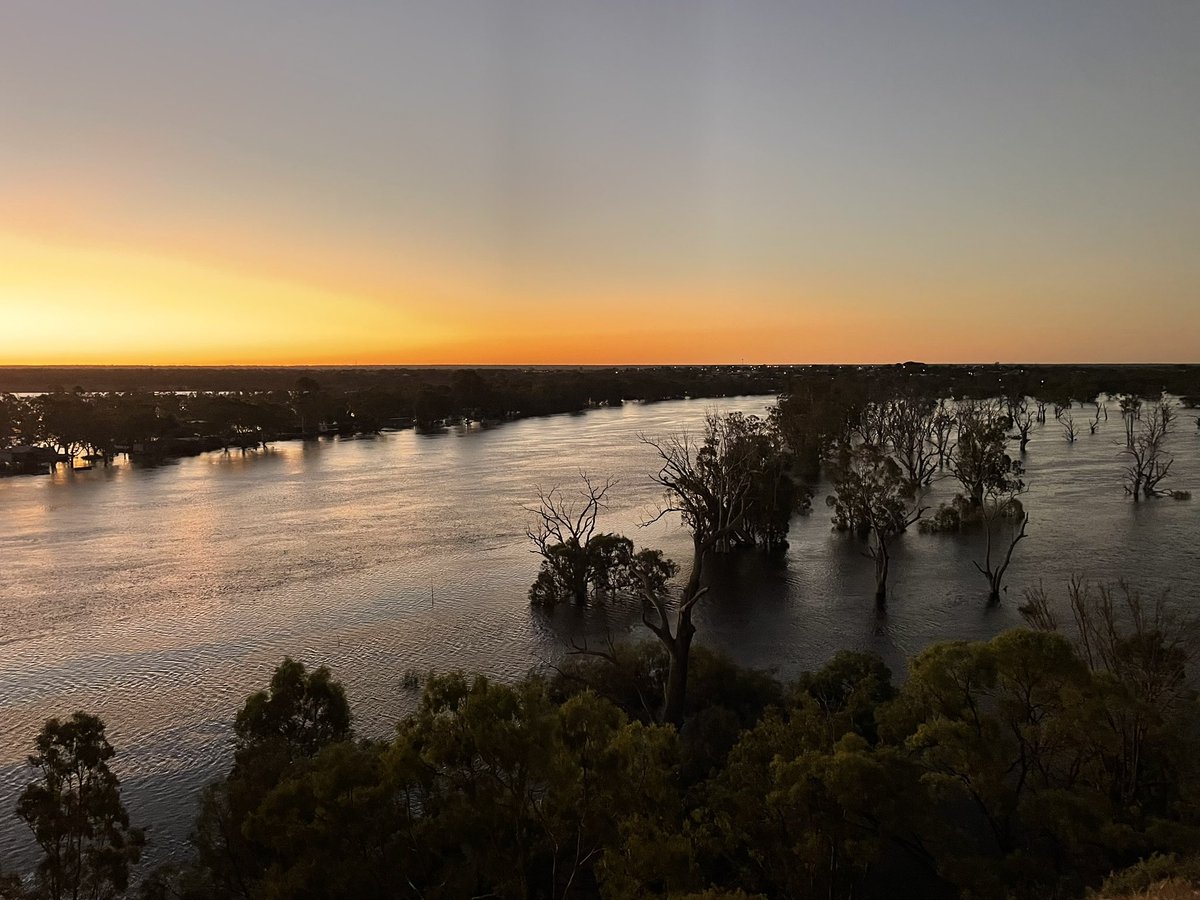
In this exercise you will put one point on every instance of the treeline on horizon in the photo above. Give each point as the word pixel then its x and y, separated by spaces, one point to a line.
pixel 98 412
pixel 1048 762
pixel 1083 381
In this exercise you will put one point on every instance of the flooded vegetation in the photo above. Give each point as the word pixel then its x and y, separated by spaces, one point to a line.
pixel 863 511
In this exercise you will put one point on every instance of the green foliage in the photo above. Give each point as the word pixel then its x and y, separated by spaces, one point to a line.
pixel 774 492
pixel 604 565
pixel 1000 769
pixel 871 494
pixel 980 460
pixel 276 732
pixel 1016 730
pixel 852 685
pixel 75 812
pixel 1142 876
pixel 299 714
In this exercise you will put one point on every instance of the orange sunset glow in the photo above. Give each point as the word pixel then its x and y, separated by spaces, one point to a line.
pixel 558 186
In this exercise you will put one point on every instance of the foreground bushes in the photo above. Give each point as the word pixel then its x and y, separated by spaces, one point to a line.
pixel 1002 769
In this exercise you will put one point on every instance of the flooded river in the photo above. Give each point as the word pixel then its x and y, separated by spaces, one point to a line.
pixel 158 598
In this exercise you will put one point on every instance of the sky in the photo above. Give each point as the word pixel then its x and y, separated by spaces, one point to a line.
pixel 602 182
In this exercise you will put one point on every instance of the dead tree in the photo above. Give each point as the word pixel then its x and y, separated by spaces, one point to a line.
pixel 1095 423
pixel 1131 411
pixel 994 573
pixel 1147 461
pixel 1022 419
pixel 564 528
pixel 1068 427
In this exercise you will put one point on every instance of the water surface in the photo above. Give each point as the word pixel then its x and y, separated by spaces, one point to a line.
pixel 158 598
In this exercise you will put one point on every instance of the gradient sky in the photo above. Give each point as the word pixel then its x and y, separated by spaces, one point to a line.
pixel 614 181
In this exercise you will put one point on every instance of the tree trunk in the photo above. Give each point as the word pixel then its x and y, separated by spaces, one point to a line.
pixel 679 647
pixel 881 574
pixel 680 650
pixel 994 591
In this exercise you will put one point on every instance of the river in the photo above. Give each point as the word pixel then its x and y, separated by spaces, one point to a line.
pixel 158 598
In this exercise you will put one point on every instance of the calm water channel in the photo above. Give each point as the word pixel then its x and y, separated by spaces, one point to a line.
pixel 158 598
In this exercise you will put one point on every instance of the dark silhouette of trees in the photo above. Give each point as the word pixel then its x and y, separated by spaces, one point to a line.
pixel 942 433
pixel 1033 765
pixel 875 501
pixel 1022 419
pixel 297 715
pixel 1144 645
pixel 276 732
pixel 579 563
pixel 75 812
pixel 1001 504
pixel 1131 412
pixel 1070 432
pixel 1147 461
pixel 708 483
pixel 980 459
pixel 909 429
pixel 775 493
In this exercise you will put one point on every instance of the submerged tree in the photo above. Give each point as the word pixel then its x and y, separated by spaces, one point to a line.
pixel 1001 503
pixel 942 433
pixel 775 493
pixel 1022 419
pixel 909 428
pixel 1070 432
pixel 575 559
pixel 709 485
pixel 75 812
pixel 874 500
pixel 980 457
pixel 1131 411
pixel 1147 462
pixel 578 562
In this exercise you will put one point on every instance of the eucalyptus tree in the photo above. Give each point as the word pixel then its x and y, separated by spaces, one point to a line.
pixel 909 429
pixel 980 455
pixel 875 501
pixel 1001 504
pixel 708 483
pixel 775 492
pixel 942 432
pixel 75 812
pixel 576 559
pixel 278 731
